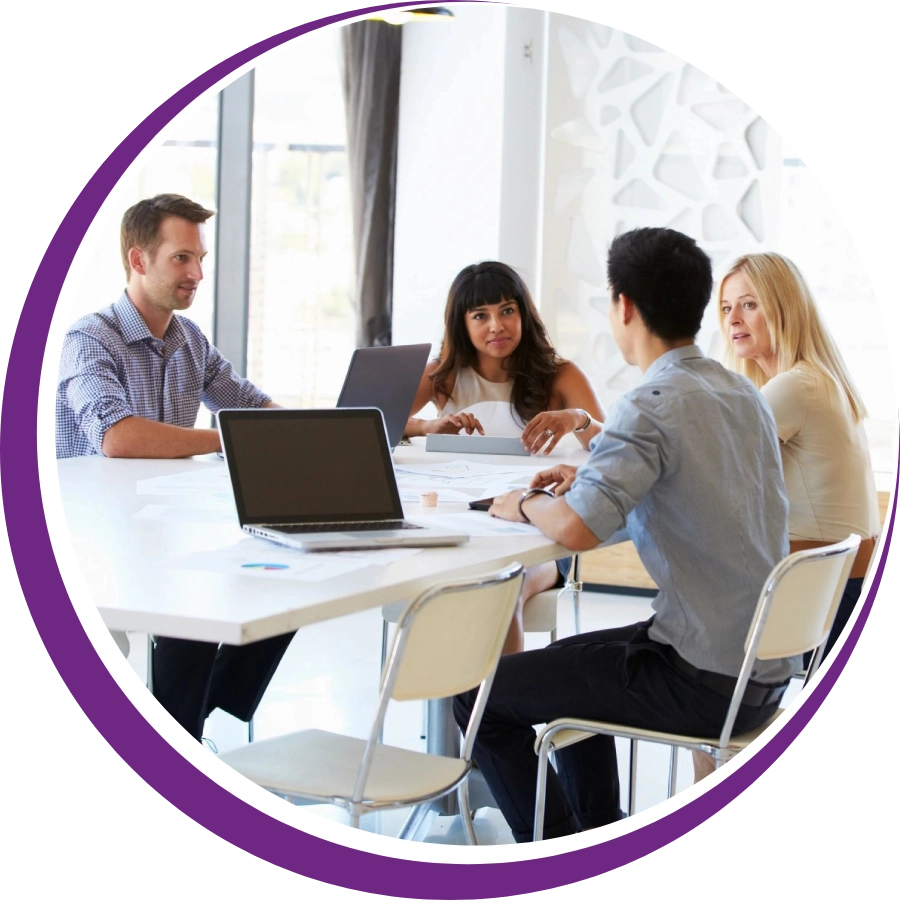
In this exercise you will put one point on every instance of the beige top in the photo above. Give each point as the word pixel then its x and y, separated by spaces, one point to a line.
pixel 827 469
pixel 489 402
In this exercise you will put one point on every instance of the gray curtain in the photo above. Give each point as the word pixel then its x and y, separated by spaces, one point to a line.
pixel 371 54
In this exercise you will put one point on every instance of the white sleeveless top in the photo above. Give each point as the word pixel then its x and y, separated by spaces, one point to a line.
pixel 489 402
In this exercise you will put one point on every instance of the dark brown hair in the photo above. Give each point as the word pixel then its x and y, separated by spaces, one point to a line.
pixel 532 365
pixel 141 223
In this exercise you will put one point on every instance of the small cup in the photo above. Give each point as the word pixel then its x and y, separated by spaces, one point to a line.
pixel 428 498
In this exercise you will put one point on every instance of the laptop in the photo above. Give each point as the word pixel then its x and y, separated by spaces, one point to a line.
pixel 387 378
pixel 319 479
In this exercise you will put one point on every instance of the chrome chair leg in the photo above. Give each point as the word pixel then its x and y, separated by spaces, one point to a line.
pixel 632 776
pixel 466 814
pixel 541 791
pixel 151 643
pixel 673 770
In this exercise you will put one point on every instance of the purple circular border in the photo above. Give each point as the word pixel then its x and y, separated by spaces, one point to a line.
pixel 151 757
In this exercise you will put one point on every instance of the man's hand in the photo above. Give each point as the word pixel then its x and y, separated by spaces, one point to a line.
pixel 506 506
pixel 552 515
pixel 138 438
pixel 559 478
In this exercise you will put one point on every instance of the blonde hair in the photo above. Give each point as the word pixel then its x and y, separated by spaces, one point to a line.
pixel 796 330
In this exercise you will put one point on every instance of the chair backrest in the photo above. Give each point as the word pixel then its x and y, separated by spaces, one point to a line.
pixel 802 595
pixel 449 639
pixel 795 611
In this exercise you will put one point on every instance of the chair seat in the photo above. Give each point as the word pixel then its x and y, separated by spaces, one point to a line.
pixel 323 765
pixel 588 728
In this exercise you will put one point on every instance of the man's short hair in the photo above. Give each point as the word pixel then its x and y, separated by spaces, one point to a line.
pixel 667 277
pixel 141 223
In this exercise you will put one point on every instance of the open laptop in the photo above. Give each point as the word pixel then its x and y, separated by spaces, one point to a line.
pixel 387 378
pixel 318 479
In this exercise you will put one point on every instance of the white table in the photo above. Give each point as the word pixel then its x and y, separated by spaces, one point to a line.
pixel 135 567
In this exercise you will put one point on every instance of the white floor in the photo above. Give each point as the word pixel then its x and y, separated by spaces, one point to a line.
pixel 329 679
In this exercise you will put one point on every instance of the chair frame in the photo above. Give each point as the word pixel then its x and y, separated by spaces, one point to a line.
pixel 725 748
pixel 356 804
pixel 573 584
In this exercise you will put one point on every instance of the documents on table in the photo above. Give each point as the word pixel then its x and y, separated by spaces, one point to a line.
pixel 208 481
pixel 445 495
pixel 480 524
pixel 462 474
pixel 215 513
pixel 256 558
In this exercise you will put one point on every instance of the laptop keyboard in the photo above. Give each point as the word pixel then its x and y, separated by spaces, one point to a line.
pixel 315 527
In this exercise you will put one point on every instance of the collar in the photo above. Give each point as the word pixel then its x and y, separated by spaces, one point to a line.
pixel 134 328
pixel 679 354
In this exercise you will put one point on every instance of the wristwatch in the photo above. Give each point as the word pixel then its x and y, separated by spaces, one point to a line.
pixel 530 493
pixel 586 423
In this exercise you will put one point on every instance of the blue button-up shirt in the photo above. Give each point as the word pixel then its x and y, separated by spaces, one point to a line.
pixel 112 367
pixel 689 463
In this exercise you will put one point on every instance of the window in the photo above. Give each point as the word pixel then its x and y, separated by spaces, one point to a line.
pixel 185 164
pixel 301 329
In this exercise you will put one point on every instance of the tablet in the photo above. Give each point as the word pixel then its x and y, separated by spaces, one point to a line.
pixel 475 443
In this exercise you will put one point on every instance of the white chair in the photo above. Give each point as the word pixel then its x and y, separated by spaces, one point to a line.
pixel 794 613
pixel 539 613
pixel 447 641
pixel 538 616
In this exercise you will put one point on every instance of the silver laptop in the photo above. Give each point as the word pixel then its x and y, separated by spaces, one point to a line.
pixel 319 479
pixel 387 378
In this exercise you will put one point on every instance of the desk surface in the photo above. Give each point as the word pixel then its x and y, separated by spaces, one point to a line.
pixel 135 567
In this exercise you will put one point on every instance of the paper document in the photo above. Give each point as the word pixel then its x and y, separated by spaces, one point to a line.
pixel 480 524
pixel 257 558
pixel 211 481
pixel 213 514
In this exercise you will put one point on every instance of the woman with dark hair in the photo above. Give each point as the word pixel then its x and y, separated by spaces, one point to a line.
pixel 498 372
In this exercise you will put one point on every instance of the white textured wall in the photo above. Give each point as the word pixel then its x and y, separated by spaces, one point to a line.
pixel 637 137
pixel 541 161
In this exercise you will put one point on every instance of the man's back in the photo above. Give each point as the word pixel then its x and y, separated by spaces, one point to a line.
pixel 691 457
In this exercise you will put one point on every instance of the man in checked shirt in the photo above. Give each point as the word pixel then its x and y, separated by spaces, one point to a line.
pixel 131 381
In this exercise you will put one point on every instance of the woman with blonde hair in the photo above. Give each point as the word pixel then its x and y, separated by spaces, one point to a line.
pixel 775 336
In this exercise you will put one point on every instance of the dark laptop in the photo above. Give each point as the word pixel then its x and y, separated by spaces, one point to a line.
pixel 318 479
pixel 387 378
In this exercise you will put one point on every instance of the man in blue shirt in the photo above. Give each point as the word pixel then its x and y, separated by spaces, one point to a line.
pixel 131 381
pixel 688 466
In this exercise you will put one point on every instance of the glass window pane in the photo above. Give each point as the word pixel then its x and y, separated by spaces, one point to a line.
pixel 186 163
pixel 301 323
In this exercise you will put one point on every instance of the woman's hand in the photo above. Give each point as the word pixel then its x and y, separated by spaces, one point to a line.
pixel 451 424
pixel 546 429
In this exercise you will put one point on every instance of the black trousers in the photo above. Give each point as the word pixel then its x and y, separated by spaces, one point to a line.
pixel 618 675
pixel 192 678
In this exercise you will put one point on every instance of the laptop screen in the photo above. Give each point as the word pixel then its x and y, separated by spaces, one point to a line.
pixel 296 466
pixel 387 378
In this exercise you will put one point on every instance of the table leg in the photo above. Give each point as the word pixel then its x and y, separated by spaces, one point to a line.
pixel 443 738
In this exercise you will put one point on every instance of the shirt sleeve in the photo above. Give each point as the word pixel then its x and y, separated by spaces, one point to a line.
pixel 223 388
pixel 788 398
pixel 92 386
pixel 626 460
